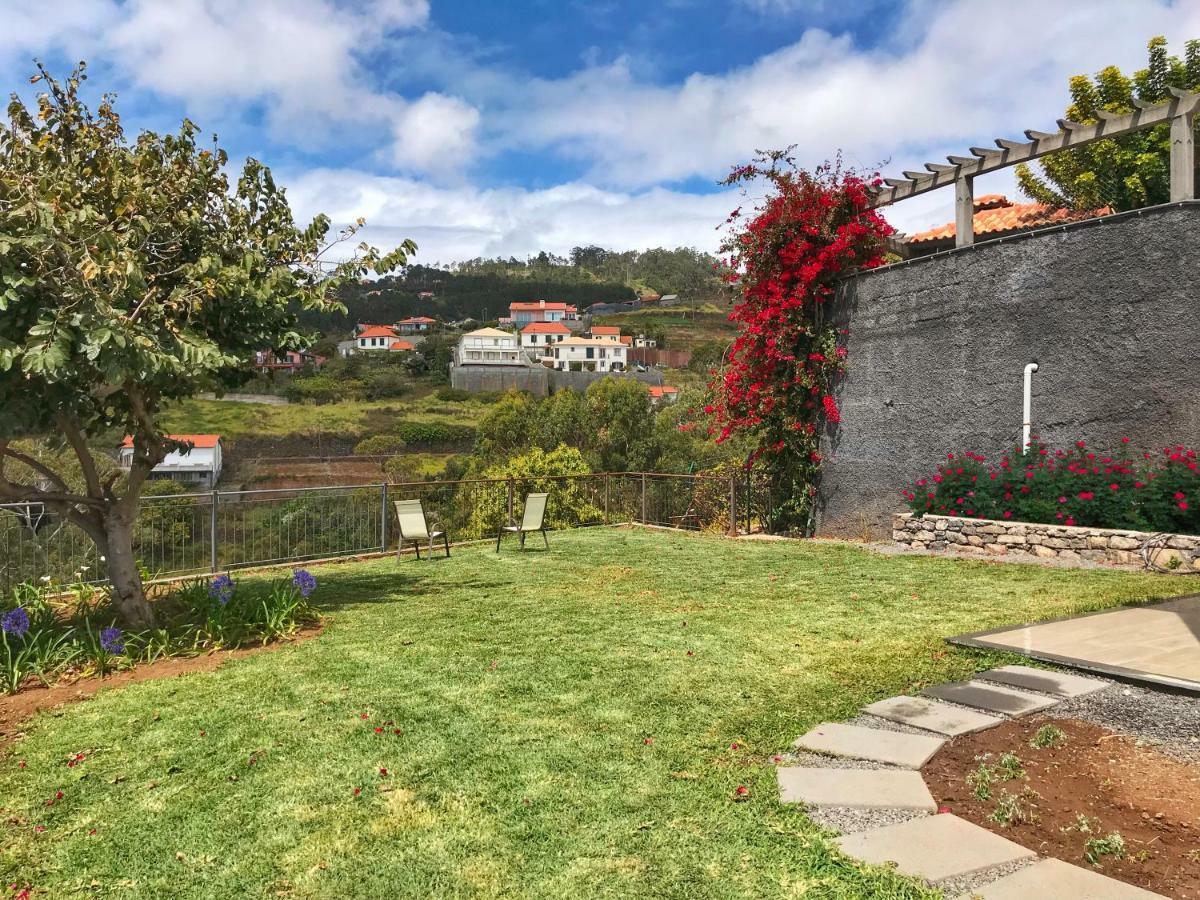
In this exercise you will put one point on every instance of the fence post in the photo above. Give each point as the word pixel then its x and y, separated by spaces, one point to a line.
pixel 733 529
pixel 605 498
pixel 510 498
pixel 749 502
pixel 644 522
pixel 212 533
pixel 383 517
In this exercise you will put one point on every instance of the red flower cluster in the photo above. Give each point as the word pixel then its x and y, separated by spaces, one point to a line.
pixel 786 261
pixel 1070 487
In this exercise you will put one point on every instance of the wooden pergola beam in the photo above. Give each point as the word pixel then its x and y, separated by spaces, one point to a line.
pixel 1180 111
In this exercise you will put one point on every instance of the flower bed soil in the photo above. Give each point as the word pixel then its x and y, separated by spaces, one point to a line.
pixel 1152 800
pixel 34 697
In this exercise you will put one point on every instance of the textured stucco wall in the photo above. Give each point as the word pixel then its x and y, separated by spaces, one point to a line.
pixel 1111 312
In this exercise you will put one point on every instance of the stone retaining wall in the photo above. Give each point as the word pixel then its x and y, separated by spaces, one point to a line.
pixel 1173 552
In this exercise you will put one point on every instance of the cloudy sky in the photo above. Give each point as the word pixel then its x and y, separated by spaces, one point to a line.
pixel 484 128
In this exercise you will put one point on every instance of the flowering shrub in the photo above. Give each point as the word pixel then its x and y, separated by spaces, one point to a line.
pixel 812 229
pixel 1148 491
pixel 50 630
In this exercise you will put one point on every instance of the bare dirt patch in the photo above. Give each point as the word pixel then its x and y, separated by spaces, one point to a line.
pixel 16 708
pixel 1120 787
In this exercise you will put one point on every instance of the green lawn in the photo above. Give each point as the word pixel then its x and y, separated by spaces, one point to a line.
pixel 568 727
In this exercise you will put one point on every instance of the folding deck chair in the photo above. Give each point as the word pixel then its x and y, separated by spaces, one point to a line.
pixel 414 528
pixel 532 519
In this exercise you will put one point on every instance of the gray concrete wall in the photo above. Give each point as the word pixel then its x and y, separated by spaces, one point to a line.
pixel 541 382
pixel 1110 311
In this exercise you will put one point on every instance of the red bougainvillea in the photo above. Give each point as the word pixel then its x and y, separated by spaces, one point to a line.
pixel 785 260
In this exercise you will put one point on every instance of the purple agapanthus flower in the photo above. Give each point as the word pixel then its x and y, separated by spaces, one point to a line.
pixel 221 589
pixel 15 622
pixel 110 640
pixel 304 581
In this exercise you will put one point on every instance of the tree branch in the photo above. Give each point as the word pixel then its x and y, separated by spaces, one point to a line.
pixel 70 428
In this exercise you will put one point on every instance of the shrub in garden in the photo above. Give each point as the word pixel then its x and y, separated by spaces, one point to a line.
pixel 785 260
pixel 1145 491
pixel 570 501
pixel 433 434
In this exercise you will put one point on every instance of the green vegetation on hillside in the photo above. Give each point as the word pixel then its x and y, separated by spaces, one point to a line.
pixel 516 725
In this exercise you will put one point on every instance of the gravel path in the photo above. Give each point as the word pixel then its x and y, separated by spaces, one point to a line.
pixel 1168 722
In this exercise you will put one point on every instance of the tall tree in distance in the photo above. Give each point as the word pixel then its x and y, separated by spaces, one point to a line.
pixel 1126 172
pixel 132 273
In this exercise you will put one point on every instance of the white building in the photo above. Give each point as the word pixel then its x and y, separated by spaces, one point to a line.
pixel 489 347
pixel 643 342
pixel 538 337
pixel 381 337
pixel 594 354
pixel 200 466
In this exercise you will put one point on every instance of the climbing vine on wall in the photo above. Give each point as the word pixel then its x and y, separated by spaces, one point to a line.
pixel 785 259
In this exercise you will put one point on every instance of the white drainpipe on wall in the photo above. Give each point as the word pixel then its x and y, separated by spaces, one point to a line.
pixel 1027 421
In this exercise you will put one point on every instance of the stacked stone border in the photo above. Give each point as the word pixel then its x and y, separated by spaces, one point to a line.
pixel 1113 546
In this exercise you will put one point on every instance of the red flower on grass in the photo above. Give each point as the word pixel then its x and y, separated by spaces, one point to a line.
pixel 383 772
pixel 741 793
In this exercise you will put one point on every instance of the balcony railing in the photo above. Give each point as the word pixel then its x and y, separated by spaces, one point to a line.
pixel 186 534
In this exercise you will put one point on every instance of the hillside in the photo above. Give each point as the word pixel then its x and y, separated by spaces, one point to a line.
pixel 483 288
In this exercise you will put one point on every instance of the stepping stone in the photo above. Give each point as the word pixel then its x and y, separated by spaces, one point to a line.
pixel 1060 684
pixel 931 715
pixel 911 751
pixel 855 788
pixel 935 848
pixel 989 697
pixel 1062 881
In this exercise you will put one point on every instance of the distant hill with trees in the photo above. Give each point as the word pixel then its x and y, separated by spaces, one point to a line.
pixel 483 288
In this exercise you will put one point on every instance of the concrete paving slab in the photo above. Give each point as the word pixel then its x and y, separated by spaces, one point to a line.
pixel 1060 684
pixel 910 751
pixel 1156 644
pixel 855 788
pixel 934 847
pixel 991 698
pixel 931 715
pixel 1061 881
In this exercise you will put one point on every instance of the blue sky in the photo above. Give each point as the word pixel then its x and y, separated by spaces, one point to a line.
pixel 484 128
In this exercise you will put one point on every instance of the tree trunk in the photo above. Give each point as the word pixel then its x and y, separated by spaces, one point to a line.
pixel 128 595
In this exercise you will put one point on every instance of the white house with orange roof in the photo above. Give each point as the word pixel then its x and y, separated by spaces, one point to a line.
pixel 199 466
pixel 537 338
pixel 380 337
pixel 663 395
pixel 605 353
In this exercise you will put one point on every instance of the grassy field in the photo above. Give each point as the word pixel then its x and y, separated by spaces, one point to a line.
pixel 347 417
pixel 565 724
pixel 683 329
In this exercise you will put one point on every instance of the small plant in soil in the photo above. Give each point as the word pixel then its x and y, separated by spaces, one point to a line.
pixel 1014 808
pixel 1083 825
pixel 1097 848
pixel 1048 736
pixel 1011 767
pixel 980 781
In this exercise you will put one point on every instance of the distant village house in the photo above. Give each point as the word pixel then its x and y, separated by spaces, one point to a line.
pixel 489 347
pixel 198 467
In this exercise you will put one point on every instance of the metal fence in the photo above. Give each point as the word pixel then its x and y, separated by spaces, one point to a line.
pixel 209 532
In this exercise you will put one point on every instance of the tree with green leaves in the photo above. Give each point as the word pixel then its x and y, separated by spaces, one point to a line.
pixel 1126 172
pixel 133 274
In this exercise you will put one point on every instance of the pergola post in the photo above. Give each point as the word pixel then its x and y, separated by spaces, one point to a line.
pixel 964 211
pixel 1183 158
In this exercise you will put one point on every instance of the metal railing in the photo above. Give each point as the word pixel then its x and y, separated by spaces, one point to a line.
pixel 185 534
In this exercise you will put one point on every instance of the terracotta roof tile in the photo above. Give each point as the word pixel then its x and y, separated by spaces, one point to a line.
pixel 545 328
pixel 376 331
pixel 995 215
pixel 203 441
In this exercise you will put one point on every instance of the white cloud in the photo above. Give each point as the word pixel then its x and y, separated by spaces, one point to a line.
pixel 435 134
pixel 974 71
pixel 452 223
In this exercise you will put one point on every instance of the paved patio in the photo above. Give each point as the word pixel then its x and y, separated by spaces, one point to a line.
pixel 1156 644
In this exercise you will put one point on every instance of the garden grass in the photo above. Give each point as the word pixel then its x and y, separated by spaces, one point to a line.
pixel 558 740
